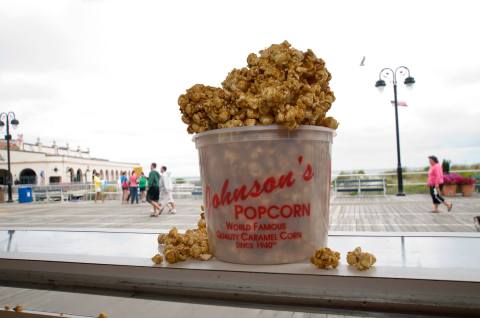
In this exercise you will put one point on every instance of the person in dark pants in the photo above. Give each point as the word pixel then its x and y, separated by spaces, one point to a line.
pixel 153 193
pixel 435 183
pixel 133 188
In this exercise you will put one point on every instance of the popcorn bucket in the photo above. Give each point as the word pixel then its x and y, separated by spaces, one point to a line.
pixel 266 192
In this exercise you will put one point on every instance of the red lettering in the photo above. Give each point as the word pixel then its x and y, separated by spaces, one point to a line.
pixel 284 213
pixel 306 209
pixel 256 189
pixel 253 213
pixel 216 201
pixel 297 209
pixel 238 210
pixel 261 211
pixel 286 180
pixel 225 194
pixel 269 212
pixel 240 193
pixel 269 185
pixel 308 174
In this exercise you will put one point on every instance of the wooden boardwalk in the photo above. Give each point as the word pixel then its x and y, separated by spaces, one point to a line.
pixel 369 213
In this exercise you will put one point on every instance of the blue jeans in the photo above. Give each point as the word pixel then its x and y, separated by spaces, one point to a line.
pixel 133 194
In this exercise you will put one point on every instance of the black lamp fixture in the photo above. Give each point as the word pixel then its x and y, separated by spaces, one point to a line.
pixel 392 75
pixel 409 81
pixel 380 83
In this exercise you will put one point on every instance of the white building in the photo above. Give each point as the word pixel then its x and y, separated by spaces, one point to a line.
pixel 39 164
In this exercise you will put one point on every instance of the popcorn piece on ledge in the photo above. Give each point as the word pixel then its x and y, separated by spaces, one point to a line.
pixel 325 258
pixel 180 247
pixel 361 260
pixel 157 259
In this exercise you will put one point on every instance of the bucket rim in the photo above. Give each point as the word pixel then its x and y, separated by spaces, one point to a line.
pixel 262 128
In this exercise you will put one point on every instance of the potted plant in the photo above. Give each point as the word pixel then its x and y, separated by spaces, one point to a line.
pixel 467 185
pixel 450 182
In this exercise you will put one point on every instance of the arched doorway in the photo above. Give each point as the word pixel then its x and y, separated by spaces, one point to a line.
pixel 101 174
pixel 28 176
pixel 107 175
pixel 116 175
pixel 4 176
pixel 72 174
pixel 112 175
pixel 79 177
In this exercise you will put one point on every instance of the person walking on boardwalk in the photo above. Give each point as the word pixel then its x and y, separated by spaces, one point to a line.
pixel 133 188
pixel 124 185
pixel 97 182
pixel 153 193
pixel 166 190
pixel 435 183
pixel 142 186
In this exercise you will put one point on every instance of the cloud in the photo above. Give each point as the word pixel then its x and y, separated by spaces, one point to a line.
pixel 464 76
pixel 30 43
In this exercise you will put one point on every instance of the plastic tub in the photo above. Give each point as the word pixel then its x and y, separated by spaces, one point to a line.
pixel 266 192
pixel 25 195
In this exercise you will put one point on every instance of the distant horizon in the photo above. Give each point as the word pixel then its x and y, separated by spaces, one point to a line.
pixel 336 172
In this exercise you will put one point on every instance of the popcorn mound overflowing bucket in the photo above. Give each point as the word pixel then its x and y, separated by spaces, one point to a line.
pixel 264 144
pixel 266 192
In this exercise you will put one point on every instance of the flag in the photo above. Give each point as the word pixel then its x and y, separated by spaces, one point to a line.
pixel 400 103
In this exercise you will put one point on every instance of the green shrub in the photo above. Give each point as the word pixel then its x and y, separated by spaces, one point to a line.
pixel 446 165
pixel 180 181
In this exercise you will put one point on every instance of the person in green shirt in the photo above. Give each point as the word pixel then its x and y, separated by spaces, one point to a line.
pixel 153 193
pixel 142 185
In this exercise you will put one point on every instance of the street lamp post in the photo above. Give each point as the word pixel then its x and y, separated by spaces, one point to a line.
pixel 7 119
pixel 389 73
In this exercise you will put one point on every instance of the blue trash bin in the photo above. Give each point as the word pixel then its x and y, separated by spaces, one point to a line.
pixel 25 195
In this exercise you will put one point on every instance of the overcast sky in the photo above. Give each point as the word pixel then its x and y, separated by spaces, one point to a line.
pixel 107 74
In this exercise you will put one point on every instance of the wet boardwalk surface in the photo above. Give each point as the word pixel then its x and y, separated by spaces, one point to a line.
pixel 369 213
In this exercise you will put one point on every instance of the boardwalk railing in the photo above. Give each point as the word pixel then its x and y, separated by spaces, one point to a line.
pixel 419 177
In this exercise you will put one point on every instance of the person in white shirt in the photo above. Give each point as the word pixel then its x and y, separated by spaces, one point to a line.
pixel 167 188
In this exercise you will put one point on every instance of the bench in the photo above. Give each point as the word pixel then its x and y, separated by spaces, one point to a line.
pixel 48 195
pixel 360 185
pixel 76 195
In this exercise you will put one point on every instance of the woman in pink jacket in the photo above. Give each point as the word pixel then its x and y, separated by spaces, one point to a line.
pixel 435 182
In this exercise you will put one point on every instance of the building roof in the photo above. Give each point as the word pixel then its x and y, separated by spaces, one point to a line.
pixel 54 150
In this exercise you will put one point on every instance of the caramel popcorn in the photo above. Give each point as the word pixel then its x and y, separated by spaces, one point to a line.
pixel 18 308
pixel 157 259
pixel 179 247
pixel 6 307
pixel 361 260
pixel 102 315
pixel 205 257
pixel 281 85
pixel 325 258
